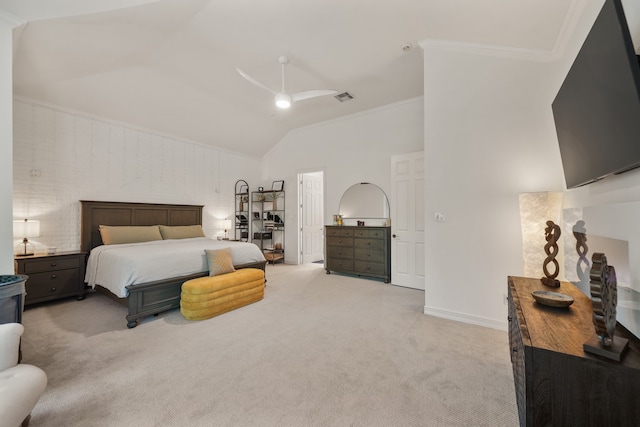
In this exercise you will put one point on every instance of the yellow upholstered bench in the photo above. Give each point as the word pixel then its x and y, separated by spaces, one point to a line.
pixel 207 297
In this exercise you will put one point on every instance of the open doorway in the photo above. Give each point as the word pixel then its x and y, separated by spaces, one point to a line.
pixel 311 216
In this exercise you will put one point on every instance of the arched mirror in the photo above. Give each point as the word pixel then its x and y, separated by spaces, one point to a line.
pixel 364 200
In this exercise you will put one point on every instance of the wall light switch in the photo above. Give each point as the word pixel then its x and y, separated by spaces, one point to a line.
pixel 438 216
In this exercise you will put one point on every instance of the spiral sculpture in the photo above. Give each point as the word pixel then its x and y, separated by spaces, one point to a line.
pixel 583 265
pixel 552 234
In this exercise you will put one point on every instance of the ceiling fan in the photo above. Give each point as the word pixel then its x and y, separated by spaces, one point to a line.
pixel 283 99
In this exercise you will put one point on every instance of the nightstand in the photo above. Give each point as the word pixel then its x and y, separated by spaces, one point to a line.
pixel 53 276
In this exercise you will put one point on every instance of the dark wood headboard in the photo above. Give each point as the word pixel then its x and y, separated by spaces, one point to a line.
pixel 94 214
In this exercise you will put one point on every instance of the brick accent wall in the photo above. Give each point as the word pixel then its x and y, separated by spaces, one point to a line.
pixel 63 157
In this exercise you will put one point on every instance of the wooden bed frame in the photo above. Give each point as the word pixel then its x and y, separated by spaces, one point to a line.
pixel 146 298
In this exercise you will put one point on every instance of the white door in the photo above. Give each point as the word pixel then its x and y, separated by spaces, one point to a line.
pixel 407 220
pixel 311 212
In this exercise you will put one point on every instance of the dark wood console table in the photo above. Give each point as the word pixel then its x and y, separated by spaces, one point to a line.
pixel 556 382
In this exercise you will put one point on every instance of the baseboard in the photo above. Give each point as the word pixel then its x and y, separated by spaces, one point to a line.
pixel 465 318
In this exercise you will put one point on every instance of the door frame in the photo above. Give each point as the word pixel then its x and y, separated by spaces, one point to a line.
pixel 300 207
pixel 414 277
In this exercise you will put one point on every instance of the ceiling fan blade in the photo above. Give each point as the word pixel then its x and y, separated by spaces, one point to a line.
pixel 254 81
pixel 312 94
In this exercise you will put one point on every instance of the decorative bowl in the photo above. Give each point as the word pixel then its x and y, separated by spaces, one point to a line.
pixel 552 299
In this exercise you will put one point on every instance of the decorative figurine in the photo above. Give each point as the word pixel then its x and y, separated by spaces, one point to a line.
pixel 604 298
pixel 580 233
pixel 552 234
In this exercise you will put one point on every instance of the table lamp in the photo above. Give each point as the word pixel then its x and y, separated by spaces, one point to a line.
pixel 23 229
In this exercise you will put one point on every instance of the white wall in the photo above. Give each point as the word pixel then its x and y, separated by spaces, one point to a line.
pixel 6 138
pixel 611 209
pixel 352 149
pixel 489 135
pixel 62 157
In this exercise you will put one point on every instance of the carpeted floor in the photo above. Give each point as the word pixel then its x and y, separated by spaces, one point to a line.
pixel 319 350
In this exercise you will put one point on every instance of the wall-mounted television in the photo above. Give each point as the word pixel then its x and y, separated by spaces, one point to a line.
pixel 597 109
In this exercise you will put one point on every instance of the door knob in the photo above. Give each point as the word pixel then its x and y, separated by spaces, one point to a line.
pixel 393 235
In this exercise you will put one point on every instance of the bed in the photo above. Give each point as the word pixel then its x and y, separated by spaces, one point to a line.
pixel 149 292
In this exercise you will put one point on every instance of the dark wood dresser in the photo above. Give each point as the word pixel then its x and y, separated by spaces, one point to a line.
pixel 363 251
pixel 53 276
pixel 556 382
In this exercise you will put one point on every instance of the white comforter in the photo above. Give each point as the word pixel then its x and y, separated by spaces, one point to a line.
pixel 115 267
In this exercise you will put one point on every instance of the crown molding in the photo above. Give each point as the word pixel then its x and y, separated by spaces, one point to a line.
pixel 10 19
pixel 571 19
pixel 488 50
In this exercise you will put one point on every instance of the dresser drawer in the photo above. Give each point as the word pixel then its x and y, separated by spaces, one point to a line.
pixel 369 233
pixel 370 255
pixel 50 264
pixel 516 347
pixel 339 232
pixel 342 252
pixel 340 241
pixel 361 232
pixel 377 233
pixel 52 284
pixel 340 264
pixel 369 267
pixel 369 243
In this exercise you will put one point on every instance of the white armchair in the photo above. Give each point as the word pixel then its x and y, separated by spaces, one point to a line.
pixel 21 385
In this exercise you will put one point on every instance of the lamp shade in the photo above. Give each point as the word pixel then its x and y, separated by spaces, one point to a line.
pixel 535 210
pixel 26 228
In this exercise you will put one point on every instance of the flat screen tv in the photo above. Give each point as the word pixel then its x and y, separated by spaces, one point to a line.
pixel 597 109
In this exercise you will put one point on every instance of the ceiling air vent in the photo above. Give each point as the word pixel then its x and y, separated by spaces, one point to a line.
pixel 344 96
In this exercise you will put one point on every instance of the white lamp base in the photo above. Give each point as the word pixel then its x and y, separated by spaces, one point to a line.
pixel 26 248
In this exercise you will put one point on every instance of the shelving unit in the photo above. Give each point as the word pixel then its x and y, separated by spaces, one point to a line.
pixel 242 224
pixel 267 223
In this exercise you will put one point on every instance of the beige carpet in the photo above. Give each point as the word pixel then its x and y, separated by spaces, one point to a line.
pixel 319 350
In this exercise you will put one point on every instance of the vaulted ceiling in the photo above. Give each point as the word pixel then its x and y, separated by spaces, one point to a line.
pixel 169 65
